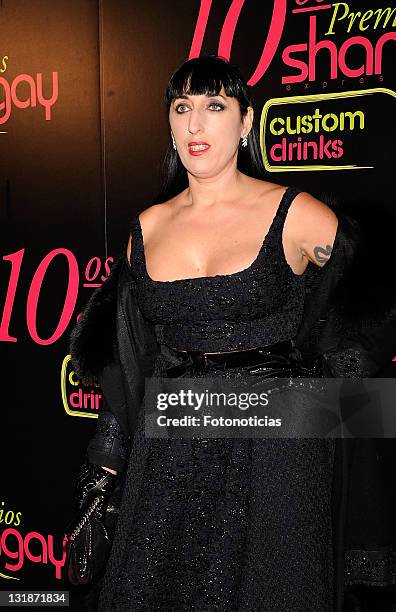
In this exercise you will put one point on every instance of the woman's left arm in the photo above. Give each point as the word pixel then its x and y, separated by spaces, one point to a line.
pixel 312 227
pixel 352 344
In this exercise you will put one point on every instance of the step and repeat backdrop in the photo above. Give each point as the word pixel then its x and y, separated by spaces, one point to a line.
pixel 83 131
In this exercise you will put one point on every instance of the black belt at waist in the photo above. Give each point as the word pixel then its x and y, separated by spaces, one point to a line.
pixel 279 359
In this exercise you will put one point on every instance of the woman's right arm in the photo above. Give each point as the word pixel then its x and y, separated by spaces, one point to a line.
pixel 108 448
pixel 129 263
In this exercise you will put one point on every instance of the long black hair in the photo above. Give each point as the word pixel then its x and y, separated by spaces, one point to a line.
pixel 206 75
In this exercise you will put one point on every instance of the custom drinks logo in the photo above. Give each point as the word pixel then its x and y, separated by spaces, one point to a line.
pixel 329 131
pixel 79 399
pixel 19 547
pixel 339 48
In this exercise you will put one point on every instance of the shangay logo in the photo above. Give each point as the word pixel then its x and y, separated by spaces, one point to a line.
pixel 17 548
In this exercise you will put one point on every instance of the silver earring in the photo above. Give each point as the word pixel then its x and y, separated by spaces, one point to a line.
pixel 174 144
pixel 244 141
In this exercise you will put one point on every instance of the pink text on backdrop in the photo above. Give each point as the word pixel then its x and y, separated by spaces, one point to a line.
pixel 92 272
pixel 305 63
pixel 10 94
pixel 15 546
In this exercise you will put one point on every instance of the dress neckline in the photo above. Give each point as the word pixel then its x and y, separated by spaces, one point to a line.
pixel 218 276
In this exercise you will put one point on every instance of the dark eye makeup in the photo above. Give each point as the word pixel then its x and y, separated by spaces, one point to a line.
pixel 219 104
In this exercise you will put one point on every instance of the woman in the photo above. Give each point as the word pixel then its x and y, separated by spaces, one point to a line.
pixel 219 268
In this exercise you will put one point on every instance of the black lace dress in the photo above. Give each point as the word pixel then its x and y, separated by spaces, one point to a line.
pixel 224 525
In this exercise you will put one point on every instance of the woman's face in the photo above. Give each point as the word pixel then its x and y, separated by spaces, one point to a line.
pixel 213 120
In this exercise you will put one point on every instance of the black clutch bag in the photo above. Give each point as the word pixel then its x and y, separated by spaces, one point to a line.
pixel 89 535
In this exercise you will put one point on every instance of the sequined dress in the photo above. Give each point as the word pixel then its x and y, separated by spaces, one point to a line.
pixel 225 525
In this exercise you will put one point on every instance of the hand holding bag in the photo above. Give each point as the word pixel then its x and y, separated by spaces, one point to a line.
pixel 90 534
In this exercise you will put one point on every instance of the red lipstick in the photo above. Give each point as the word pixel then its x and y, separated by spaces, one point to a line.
pixel 196 147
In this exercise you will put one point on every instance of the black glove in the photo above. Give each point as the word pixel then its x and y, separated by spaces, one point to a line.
pixel 93 481
pixel 109 446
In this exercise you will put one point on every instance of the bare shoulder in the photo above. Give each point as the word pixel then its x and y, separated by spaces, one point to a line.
pixel 155 216
pixel 263 189
pixel 312 218
pixel 149 218
pixel 312 226
pixel 266 194
pixel 313 210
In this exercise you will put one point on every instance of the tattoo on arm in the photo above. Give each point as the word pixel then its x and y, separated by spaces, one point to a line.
pixel 322 254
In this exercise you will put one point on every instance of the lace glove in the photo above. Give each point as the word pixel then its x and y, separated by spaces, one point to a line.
pixel 109 446
pixel 93 481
